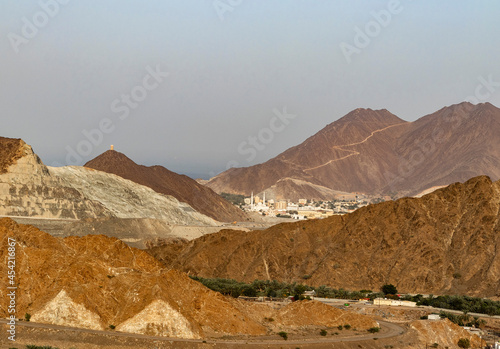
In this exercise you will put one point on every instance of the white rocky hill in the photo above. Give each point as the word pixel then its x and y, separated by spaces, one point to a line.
pixel 28 188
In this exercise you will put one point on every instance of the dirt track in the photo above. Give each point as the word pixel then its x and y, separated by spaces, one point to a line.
pixel 66 337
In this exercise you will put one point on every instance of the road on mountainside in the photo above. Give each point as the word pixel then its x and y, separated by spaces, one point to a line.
pixel 353 152
pixel 388 330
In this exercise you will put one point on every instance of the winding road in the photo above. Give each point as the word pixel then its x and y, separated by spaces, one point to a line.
pixel 388 330
pixel 353 152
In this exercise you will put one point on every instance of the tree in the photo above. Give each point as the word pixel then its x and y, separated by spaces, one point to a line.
pixel 389 289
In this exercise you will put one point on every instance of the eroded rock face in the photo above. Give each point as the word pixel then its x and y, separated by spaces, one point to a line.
pixel 159 319
pixel 28 188
pixel 62 310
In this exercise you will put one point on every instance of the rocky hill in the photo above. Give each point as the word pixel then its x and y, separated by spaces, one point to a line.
pixel 77 201
pixel 444 242
pixel 96 281
pixel 28 188
pixel 375 152
pixel 161 180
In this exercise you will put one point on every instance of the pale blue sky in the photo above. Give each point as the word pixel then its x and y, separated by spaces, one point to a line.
pixel 226 76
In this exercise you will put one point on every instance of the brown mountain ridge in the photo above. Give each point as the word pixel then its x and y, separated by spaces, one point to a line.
pixel 161 180
pixel 375 152
pixel 446 242
pixel 97 281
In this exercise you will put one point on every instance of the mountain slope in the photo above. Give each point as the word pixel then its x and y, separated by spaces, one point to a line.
pixel 445 242
pixel 28 188
pixel 375 152
pixel 97 281
pixel 161 180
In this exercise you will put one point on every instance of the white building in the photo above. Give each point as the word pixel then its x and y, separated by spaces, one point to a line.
pixel 393 302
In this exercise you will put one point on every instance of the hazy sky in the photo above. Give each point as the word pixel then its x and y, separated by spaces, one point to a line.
pixel 185 83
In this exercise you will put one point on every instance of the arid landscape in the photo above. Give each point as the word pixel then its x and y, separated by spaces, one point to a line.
pixel 249 174
pixel 375 152
pixel 88 276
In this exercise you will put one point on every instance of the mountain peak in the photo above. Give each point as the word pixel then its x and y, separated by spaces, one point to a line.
pixel 164 181
pixel 110 158
pixel 369 115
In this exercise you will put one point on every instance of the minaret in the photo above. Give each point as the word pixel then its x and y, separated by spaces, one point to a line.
pixel 112 147
pixel 251 202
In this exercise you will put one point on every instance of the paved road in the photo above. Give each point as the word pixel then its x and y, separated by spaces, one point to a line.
pixel 387 330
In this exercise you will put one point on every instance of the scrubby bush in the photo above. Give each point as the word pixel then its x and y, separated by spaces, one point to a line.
pixel 464 343
pixel 323 333
pixel 374 329
pixel 283 335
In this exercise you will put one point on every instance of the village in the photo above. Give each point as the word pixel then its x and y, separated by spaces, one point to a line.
pixel 304 208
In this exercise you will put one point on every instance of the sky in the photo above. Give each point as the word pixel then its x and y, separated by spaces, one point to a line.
pixel 199 86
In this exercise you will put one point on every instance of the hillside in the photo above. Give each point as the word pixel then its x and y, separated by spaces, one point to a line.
pixel 96 281
pixel 161 180
pixel 375 152
pixel 28 188
pixel 444 242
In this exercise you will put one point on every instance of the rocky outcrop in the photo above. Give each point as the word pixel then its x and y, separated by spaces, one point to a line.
pixel 28 188
pixel 446 242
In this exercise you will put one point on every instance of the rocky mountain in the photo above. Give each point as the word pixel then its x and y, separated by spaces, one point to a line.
pixel 28 188
pixel 161 180
pixel 97 281
pixel 375 152
pixel 446 242
pixel 78 201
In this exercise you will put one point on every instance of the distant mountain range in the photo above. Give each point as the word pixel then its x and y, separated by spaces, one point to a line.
pixel 375 152
pixel 445 242
pixel 161 180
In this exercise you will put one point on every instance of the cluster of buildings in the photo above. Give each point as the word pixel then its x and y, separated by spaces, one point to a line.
pixel 303 209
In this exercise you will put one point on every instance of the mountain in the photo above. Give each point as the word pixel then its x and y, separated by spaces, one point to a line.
pixel 161 180
pixel 445 242
pixel 56 198
pixel 28 188
pixel 97 281
pixel 375 152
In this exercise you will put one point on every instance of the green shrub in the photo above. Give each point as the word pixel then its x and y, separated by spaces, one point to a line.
pixel 283 335
pixel 323 333
pixel 374 329
pixel 27 317
pixel 112 327
pixel 340 327
pixel 389 289
pixel 347 326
